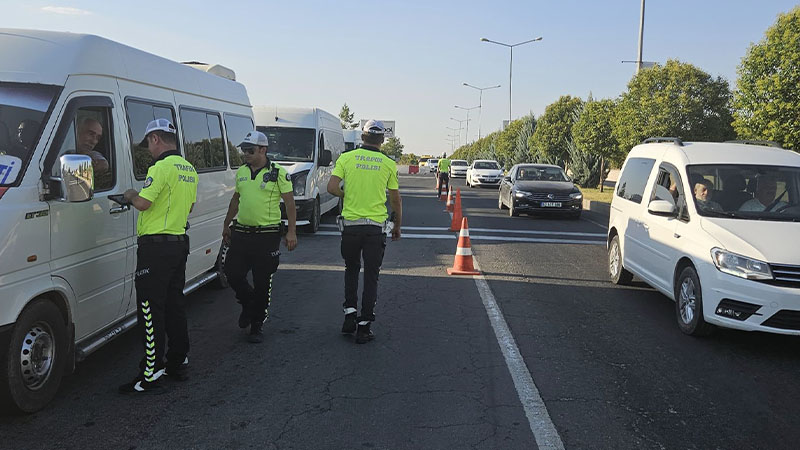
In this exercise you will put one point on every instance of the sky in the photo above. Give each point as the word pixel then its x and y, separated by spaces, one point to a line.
pixel 407 60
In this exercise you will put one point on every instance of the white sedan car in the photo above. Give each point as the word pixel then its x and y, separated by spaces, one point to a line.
pixel 484 172
pixel 458 168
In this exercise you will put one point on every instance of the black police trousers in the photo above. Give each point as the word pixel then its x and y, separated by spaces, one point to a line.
pixel 160 278
pixel 443 180
pixel 256 252
pixel 369 242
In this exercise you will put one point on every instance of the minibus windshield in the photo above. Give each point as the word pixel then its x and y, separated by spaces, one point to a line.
pixel 749 192
pixel 23 113
pixel 289 144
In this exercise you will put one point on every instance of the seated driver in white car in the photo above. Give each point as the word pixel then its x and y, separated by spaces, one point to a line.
pixel 766 189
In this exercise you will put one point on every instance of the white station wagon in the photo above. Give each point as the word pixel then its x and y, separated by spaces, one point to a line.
pixel 713 226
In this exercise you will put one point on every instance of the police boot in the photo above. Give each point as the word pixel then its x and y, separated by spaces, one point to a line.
pixel 177 372
pixel 256 336
pixel 349 325
pixel 364 334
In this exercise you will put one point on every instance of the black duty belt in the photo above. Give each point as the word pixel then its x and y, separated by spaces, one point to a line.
pixel 251 229
pixel 158 238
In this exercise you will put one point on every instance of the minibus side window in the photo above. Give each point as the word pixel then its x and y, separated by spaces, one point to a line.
pixel 236 128
pixel 89 133
pixel 202 137
pixel 139 115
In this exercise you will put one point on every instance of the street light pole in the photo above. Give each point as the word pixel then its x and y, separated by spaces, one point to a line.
pixel 466 135
pixel 641 38
pixel 459 126
pixel 480 103
pixel 458 130
pixel 511 64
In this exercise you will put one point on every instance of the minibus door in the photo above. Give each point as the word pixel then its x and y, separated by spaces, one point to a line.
pixel 91 239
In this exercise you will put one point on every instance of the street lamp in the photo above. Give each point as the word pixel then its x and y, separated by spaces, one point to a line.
pixel 510 64
pixel 459 125
pixel 458 130
pixel 480 103
pixel 466 134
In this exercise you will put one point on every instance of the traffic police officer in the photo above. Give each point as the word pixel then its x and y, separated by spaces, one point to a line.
pixel 367 174
pixel 443 174
pixel 165 201
pixel 255 236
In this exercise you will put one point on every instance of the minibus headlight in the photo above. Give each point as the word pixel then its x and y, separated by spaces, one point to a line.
pixel 299 183
pixel 740 266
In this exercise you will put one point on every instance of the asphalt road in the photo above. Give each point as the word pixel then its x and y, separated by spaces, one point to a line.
pixel 609 363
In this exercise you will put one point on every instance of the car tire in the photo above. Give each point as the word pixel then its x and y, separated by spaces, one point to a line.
pixel 314 220
pixel 689 304
pixel 221 282
pixel 35 359
pixel 616 270
pixel 512 211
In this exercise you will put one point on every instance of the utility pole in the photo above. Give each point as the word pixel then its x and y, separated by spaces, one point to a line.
pixel 641 38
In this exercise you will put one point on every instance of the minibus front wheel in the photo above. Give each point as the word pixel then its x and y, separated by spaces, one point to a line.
pixel 34 362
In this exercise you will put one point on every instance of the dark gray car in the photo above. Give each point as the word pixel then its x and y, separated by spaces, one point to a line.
pixel 539 188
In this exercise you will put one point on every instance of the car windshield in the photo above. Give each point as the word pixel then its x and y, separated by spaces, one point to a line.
pixel 487 165
pixel 422 160
pixel 532 173
pixel 23 111
pixel 750 192
pixel 459 163
pixel 289 144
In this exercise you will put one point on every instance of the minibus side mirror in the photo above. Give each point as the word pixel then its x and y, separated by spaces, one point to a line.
pixel 326 158
pixel 77 178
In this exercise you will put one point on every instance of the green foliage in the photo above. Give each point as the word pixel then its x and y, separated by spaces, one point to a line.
pixel 507 147
pixel 584 166
pixel 408 159
pixel 554 128
pixel 346 117
pixel 767 99
pixel 592 132
pixel 393 147
pixel 677 100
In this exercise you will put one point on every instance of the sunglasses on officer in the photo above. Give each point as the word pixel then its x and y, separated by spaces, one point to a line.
pixel 250 149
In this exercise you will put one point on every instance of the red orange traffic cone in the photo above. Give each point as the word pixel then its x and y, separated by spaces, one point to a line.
pixel 463 262
pixel 450 199
pixel 442 193
pixel 455 224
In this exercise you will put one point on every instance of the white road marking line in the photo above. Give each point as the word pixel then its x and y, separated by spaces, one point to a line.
pixel 605 227
pixel 486 238
pixel 495 230
pixel 544 431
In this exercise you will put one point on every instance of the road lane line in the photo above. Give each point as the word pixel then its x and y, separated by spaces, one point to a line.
pixel 544 431
pixel 486 238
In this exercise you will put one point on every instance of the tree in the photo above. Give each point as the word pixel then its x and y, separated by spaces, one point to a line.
pixel 346 117
pixel 593 135
pixel 677 100
pixel 392 147
pixel 522 152
pixel 408 159
pixel 554 128
pixel 767 98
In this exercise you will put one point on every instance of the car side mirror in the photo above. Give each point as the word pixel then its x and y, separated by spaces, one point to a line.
pixel 76 183
pixel 326 158
pixel 507 178
pixel 662 208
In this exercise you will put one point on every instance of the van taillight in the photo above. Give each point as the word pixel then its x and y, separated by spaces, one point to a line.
pixel 3 191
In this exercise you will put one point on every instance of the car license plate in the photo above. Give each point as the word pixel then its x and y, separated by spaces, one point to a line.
pixel 551 204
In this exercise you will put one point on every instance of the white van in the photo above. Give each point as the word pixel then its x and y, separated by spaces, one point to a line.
pixel 307 142
pixel 352 139
pixel 67 250
pixel 713 226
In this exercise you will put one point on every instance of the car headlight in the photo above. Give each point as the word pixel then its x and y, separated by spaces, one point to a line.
pixel 576 196
pixel 522 193
pixel 740 266
pixel 299 183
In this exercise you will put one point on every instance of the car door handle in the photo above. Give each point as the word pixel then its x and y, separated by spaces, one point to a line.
pixel 119 209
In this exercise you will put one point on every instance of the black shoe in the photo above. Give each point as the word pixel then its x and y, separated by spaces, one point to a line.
pixel 244 318
pixel 364 334
pixel 255 336
pixel 140 387
pixel 349 325
pixel 179 372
